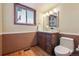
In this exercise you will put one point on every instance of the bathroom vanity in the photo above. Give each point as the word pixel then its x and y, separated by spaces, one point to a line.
pixel 47 41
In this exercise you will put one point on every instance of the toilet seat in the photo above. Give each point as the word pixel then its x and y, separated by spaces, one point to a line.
pixel 60 50
pixel 65 48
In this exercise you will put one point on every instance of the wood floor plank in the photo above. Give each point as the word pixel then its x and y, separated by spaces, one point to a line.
pixel 34 51
pixel 41 52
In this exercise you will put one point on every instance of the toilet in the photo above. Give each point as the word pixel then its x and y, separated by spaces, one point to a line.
pixel 65 48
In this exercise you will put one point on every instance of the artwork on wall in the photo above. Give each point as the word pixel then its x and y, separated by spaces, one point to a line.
pixel 53 21
pixel 24 15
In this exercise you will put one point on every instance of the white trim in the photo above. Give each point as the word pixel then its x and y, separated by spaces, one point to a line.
pixel 17 32
pixel 36 31
pixel 69 33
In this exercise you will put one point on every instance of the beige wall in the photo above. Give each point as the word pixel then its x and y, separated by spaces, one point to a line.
pixel 43 20
pixel 69 18
pixel 8 21
pixel 0 29
pixel 40 22
pixel 0 18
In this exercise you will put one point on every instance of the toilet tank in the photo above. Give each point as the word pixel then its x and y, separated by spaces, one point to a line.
pixel 67 42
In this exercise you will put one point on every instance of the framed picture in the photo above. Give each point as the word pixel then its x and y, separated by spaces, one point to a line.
pixel 24 15
pixel 53 21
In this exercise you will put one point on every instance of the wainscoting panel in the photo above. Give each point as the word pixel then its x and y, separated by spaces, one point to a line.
pixel 75 37
pixel 0 45
pixel 76 42
pixel 18 41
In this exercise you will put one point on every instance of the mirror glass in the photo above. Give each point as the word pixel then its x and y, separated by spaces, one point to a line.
pixel 50 21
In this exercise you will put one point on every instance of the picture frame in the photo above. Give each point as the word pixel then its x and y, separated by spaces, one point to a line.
pixel 53 20
pixel 24 15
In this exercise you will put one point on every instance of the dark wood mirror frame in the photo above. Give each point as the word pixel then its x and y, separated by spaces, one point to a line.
pixel 25 8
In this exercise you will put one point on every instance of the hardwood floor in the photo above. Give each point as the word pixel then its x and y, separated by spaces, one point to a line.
pixel 39 52
pixel 34 51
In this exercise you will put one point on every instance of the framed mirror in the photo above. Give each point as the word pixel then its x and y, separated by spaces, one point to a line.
pixel 24 15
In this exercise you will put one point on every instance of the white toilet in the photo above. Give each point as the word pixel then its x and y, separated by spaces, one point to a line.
pixel 65 48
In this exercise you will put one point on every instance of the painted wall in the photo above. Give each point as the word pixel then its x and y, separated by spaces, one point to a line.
pixel 43 20
pixel 8 18
pixel 8 21
pixel 0 29
pixel 0 18
pixel 69 18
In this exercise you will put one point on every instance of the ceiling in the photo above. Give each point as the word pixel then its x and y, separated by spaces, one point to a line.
pixel 41 7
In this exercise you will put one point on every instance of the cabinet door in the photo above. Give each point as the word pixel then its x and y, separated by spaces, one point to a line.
pixel 48 43
pixel 42 40
pixel 55 39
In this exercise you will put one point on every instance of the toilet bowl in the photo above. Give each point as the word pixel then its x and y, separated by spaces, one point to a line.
pixel 62 51
pixel 65 48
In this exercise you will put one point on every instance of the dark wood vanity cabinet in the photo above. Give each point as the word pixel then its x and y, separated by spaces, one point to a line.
pixel 47 41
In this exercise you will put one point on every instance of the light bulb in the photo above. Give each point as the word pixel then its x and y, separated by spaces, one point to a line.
pixel 50 12
pixel 55 10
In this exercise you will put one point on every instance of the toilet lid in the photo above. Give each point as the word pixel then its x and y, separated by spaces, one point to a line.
pixel 62 50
